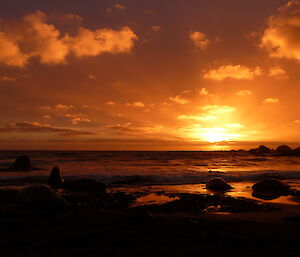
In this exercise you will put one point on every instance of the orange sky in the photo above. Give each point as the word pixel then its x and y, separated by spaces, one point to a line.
pixel 149 75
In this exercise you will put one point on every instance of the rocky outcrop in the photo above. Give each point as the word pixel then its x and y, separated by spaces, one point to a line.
pixel 55 179
pixel 22 163
pixel 217 184
pixel 39 197
pixel 270 188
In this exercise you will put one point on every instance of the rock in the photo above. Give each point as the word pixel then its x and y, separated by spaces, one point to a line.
pixel 270 188
pixel 217 184
pixel 260 150
pixel 284 150
pixel 297 151
pixel 263 149
pixel 39 197
pixel 22 163
pixel 85 185
pixel 55 179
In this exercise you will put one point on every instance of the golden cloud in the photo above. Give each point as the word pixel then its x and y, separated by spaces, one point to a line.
pixel 278 73
pixel 7 79
pixel 217 109
pixel 282 36
pixel 186 96
pixel 200 39
pixel 244 93
pixel 93 43
pixel 135 104
pixel 33 37
pixel 129 129
pixel 233 72
pixel 271 100
pixel 10 53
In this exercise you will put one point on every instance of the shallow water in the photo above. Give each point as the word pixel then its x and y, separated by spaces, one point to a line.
pixel 154 194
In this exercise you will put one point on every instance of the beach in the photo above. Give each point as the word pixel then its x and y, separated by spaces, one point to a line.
pixel 143 216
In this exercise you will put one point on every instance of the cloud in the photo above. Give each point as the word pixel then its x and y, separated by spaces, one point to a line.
pixel 209 113
pixel 155 28
pixel 278 73
pixel 92 77
pixel 77 120
pixel 182 97
pixel 135 104
pixel 7 79
pixel 244 93
pixel 271 100
pixel 187 96
pixel 93 43
pixel 217 109
pixel 10 53
pixel 194 117
pixel 120 7
pixel 281 38
pixel 27 126
pixel 32 37
pixel 128 128
pixel 57 108
pixel 37 127
pixel 233 72
pixel 110 103
pixel 200 40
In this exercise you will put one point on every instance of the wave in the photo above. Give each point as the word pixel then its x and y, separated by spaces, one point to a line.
pixel 120 180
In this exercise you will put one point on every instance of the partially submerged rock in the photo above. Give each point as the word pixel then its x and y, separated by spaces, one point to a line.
pixel 39 197
pixel 270 188
pixel 55 179
pixel 85 185
pixel 217 184
pixel 22 163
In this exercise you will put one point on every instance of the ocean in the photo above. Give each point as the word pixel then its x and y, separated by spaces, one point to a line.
pixel 155 167
pixel 156 171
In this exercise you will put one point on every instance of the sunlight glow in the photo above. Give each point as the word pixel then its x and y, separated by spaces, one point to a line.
pixel 214 137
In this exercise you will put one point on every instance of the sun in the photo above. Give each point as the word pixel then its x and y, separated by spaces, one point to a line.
pixel 215 135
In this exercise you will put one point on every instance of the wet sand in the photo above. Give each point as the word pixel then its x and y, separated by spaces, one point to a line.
pixel 141 224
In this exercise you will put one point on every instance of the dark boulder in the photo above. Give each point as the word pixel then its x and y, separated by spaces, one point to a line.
pixel 85 185
pixel 39 197
pixel 55 179
pixel 217 184
pixel 270 188
pixel 22 163
pixel 284 150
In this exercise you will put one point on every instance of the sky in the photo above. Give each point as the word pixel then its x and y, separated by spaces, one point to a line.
pixel 149 75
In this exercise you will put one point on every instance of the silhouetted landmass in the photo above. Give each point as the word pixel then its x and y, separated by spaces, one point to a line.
pixel 282 150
